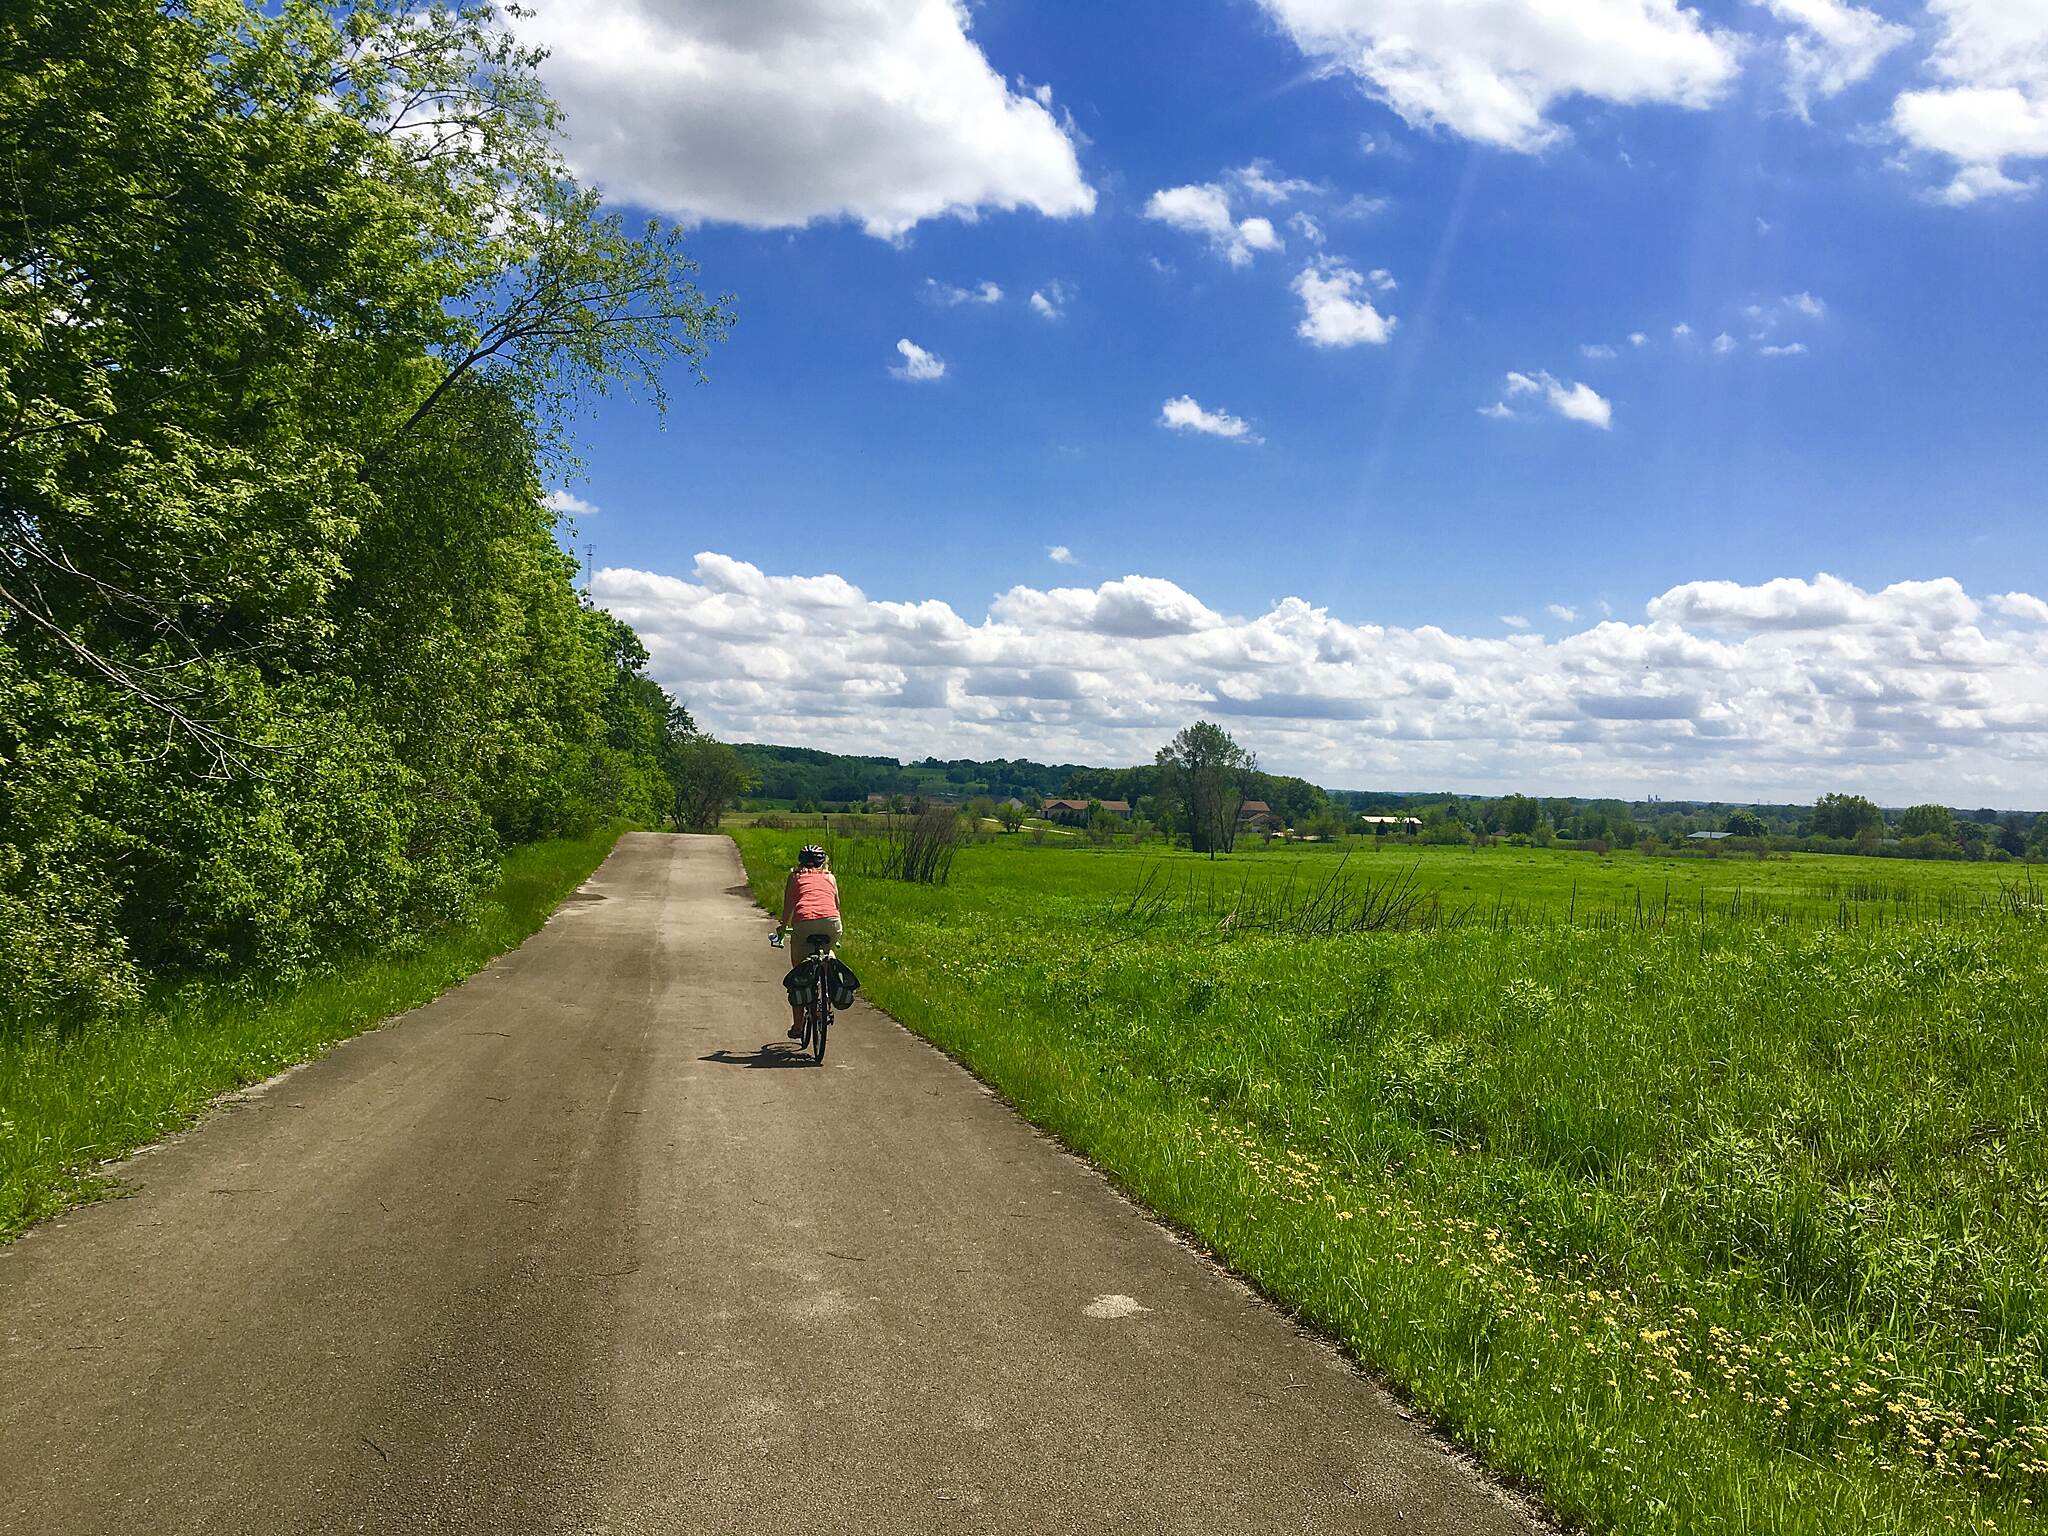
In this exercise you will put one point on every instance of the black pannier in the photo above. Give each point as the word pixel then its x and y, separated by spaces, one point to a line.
pixel 843 983
pixel 802 984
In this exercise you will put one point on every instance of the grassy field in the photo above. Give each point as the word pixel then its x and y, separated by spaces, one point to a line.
pixel 1699 1215
pixel 68 1102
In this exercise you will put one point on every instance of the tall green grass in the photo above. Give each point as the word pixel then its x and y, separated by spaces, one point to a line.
pixel 74 1099
pixel 1726 1222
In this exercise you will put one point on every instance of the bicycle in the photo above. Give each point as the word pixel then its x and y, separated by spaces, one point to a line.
pixel 818 1013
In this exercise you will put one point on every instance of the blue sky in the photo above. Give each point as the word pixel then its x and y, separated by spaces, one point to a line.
pixel 1753 293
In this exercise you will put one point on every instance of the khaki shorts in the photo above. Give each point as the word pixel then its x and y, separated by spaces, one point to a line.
pixel 800 936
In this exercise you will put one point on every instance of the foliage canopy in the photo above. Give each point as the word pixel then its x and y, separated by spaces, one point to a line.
pixel 1203 776
pixel 295 306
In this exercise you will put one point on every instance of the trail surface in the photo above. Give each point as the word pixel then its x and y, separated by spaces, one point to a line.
pixel 581 1247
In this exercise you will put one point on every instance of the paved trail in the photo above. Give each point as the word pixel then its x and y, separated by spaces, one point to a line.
pixel 573 1250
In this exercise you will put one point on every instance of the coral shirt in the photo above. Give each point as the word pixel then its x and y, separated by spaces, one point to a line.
pixel 812 893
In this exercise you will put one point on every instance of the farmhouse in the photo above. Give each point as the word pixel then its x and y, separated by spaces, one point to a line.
pixel 1078 811
pixel 1256 813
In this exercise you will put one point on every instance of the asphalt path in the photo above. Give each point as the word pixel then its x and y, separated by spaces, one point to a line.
pixel 584 1246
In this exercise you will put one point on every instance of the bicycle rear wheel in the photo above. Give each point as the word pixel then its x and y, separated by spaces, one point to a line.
pixel 821 1025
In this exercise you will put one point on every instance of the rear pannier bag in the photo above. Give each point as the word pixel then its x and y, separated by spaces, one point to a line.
pixel 843 984
pixel 802 984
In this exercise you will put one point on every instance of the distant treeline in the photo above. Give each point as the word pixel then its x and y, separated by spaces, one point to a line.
pixel 294 299
pixel 810 780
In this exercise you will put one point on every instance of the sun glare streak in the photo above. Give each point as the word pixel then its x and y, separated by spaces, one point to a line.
pixel 1408 356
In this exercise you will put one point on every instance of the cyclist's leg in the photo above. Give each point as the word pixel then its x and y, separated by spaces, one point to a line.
pixel 797 947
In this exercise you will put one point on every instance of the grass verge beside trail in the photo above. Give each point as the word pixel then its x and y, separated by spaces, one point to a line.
pixel 1702 1226
pixel 71 1101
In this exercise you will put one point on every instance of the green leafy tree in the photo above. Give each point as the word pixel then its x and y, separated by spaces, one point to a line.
pixel 1328 824
pixel 2012 834
pixel 1203 776
pixel 248 256
pixel 710 780
pixel 1746 823
pixel 1519 815
pixel 296 305
pixel 1927 821
pixel 1846 816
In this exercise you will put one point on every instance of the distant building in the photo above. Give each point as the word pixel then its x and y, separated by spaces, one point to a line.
pixel 1078 811
pixel 1256 813
pixel 1706 837
pixel 1394 823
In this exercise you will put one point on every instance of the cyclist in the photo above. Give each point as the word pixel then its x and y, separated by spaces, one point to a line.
pixel 810 905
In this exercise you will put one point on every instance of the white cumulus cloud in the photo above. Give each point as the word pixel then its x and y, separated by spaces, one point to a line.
pixel 568 504
pixel 1775 690
pixel 776 114
pixel 1831 45
pixel 950 295
pixel 1260 181
pixel 1335 309
pixel 1989 114
pixel 1574 402
pixel 1049 302
pixel 1492 70
pixel 1561 612
pixel 1129 608
pixel 1184 414
pixel 1792 307
pixel 2022 605
pixel 1059 554
pixel 1203 208
pixel 917 364
pixel 1825 602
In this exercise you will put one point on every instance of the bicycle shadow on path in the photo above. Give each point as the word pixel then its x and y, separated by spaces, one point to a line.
pixel 776 1053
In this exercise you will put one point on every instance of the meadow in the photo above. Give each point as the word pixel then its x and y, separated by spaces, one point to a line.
pixel 1697 1194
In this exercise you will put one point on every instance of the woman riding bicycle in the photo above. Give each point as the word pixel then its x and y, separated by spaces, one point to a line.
pixel 810 906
